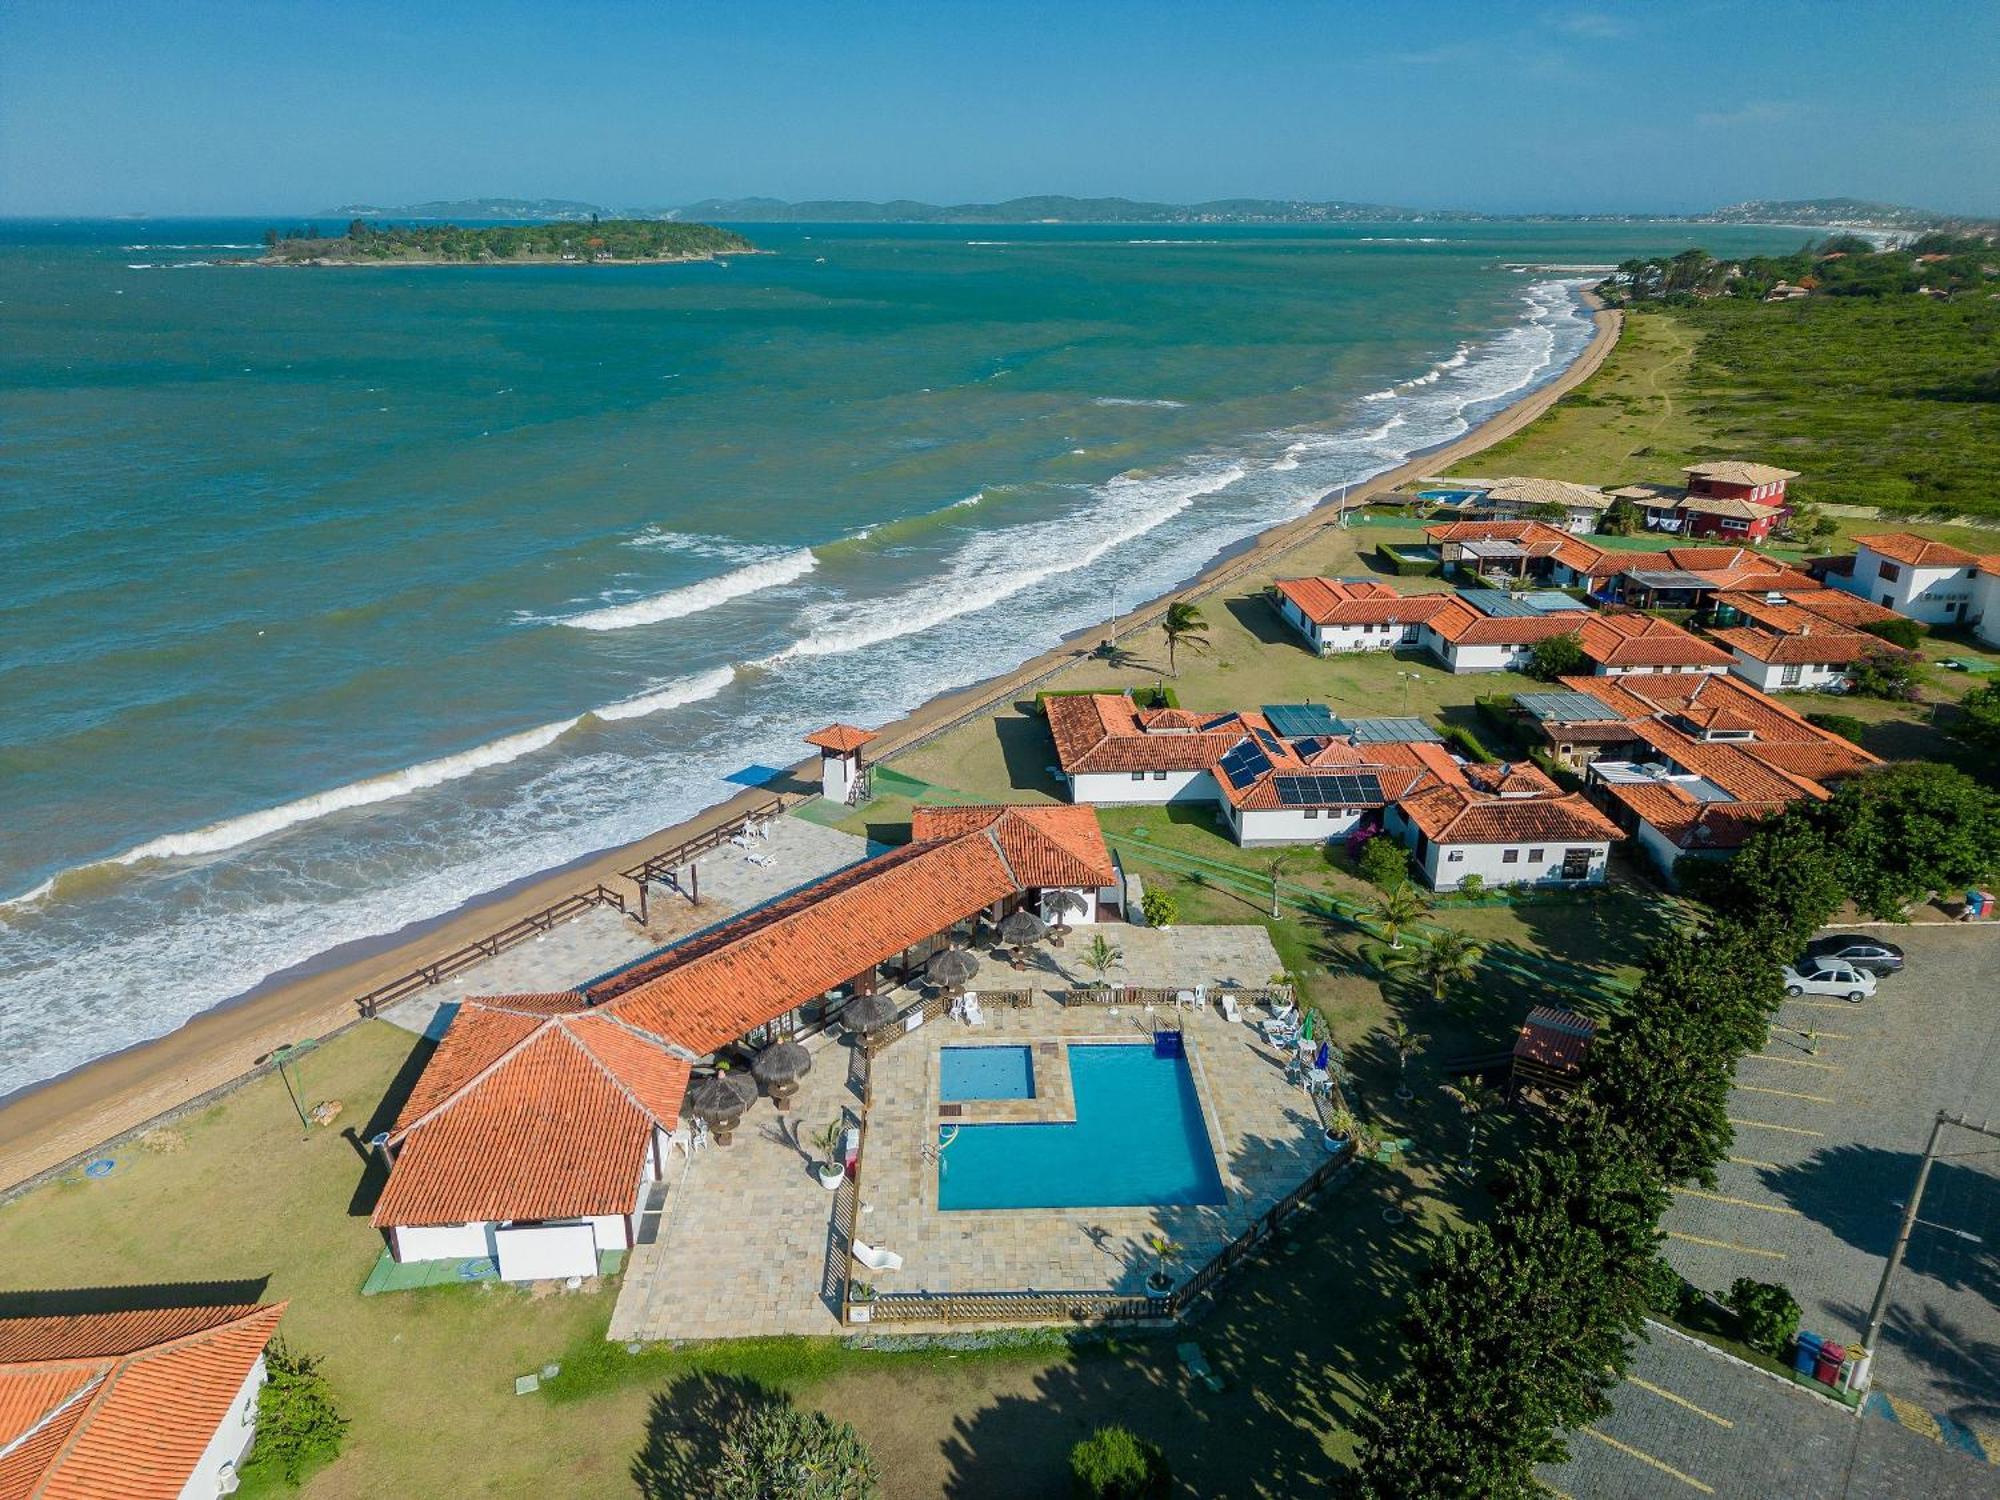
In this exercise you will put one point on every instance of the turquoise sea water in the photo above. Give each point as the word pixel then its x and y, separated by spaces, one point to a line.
pixel 1138 1139
pixel 335 599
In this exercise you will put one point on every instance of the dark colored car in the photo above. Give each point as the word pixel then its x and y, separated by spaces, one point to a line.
pixel 1870 953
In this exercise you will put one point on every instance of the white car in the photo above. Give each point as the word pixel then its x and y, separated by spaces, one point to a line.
pixel 1829 977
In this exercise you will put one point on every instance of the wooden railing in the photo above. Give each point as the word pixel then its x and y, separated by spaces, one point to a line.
pixel 666 864
pixel 535 924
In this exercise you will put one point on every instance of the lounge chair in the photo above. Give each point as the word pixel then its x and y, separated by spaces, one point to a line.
pixel 1283 1011
pixel 974 1016
pixel 875 1258
pixel 1230 1010
pixel 1284 1035
pixel 1198 1365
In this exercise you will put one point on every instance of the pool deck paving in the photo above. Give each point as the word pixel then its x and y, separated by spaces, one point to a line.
pixel 748 1244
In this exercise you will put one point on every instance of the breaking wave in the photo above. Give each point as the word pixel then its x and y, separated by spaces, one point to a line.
pixel 769 573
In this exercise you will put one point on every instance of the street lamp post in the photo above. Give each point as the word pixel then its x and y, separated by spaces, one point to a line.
pixel 286 1055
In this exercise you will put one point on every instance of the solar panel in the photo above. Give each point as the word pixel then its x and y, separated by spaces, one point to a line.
pixel 1553 601
pixel 1297 720
pixel 1394 732
pixel 1244 765
pixel 1497 603
pixel 1565 707
pixel 1269 741
pixel 1328 791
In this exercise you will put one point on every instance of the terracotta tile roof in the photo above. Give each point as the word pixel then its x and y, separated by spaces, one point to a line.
pixel 1462 625
pixel 1635 640
pixel 1103 732
pixel 1570 550
pixel 526 1116
pixel 1709 700
pixel 1455 815
pixel 1907 547
pixel 1658 496
pixel 1729 506
pixel 1808 602
pixel 842 739
pixel 1043 846
pixel 1828 646
pixel 1688 823
pixel 1530 491
pixel 1332 601
pixel 1737 471
pixel 1554 1038
pixel 1734 767
pixel 120 1406
pixel 1509 778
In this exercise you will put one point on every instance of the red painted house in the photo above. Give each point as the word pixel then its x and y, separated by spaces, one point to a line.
pixel 1735 500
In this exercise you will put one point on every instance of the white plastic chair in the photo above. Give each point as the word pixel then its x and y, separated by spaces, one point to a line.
pixel 875 1258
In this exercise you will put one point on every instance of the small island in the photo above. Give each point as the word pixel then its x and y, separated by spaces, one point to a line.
pixel 610 241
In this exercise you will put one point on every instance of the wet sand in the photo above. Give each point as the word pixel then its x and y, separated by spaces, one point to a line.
pixel 51 1124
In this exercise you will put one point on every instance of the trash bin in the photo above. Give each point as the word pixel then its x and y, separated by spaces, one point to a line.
pixel 1831 1357
pixel 1975 905
pixel 1805 1353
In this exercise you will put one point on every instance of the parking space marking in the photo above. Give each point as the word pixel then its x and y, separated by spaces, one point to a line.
pixel 1821 1004
pixel 1817 1035
pixel 1666 1395
pixel 1751 1161
pixel 1787 1129
pixel 1796 1062
pixel 1646 1458
pixel 1914 1417
pixel 1769 1208
pixel 1695 1239
pixel 1751 1088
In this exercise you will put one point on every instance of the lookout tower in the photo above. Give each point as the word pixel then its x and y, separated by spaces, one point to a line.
pixel 842 778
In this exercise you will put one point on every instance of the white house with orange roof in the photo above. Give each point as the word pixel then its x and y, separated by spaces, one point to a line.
pixel 158 1404
pixel 1113 753
pixel 540 1132
pixel 1506 824
pixel 1347 614
pixel 1924 580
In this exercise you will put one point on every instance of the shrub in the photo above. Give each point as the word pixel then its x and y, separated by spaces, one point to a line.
pixel 1845 725
pixel 774 1451
pixel 1767 1314
pixel 299 1426
pixel 1159 908
pixel 1887 673
pixel 1467 744
pixel 1114 1463
pixel 1556 656
pixel 1472 887
pixel 1405 567
pixel 1667 1291
pixel 1898 632
pixel 1383 862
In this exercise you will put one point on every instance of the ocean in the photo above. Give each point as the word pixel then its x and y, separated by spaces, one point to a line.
pixel 336 598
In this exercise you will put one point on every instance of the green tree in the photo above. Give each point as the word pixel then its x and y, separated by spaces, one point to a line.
pixel 1783 883
pixel 1556 656
pixel 1114 1463
pixel 1448 958
pixel 1979 725
pixel 1887 673
pixel 1621 518
pixel 299 1424
pixel 1905 830
pixel 1477 1101
pixel 1102 956
pixel 1398 907
pixel 1383 862
pixel 1404 1042
pixel 1183 625
pixel 774 1451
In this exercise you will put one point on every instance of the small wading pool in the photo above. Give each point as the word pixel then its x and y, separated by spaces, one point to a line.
pixel 985 1073
pixel 1138 1141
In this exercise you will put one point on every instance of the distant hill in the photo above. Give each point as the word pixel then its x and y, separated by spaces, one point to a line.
pixel 1834 213
pixel 536 209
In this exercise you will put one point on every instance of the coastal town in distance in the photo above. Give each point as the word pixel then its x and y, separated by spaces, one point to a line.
pixel 966 811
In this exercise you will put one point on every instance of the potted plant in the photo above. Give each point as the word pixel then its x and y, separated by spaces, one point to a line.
pixel 831 1173
pixel 1165 1253
pixel 1341 1127
pixel 860 1301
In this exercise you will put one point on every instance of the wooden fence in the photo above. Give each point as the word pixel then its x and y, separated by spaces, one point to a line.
pixel 667 864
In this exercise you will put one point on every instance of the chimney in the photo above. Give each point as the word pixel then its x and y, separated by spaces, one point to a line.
pixel 1805 628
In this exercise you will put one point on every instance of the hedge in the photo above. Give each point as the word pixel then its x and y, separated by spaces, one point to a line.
pixel 1407 567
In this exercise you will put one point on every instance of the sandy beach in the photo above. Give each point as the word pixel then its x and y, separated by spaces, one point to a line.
pixel 54 1123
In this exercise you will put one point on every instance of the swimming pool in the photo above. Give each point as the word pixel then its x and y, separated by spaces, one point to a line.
pixel 1138 1140
pixel 985 1073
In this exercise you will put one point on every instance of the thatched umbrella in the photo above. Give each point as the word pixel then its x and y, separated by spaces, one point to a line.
pixel 1020 932
pixel 780 1068
pixel 720 1100
pixel 1062 904
pixel 869 1013
pixel 951 970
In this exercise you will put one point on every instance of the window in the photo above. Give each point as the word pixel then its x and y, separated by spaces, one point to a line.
pixel 1888 572
pixel 1455 857
pixel 1534 856
pixel 1138 775
pixel 1312 812
pixel 1159 776
pixel 1510 857
pixel 1788 676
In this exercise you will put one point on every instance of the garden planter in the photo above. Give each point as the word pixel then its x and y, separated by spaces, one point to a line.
pixel 831 1175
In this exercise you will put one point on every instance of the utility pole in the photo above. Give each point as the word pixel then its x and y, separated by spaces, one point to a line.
pixel 1880 1309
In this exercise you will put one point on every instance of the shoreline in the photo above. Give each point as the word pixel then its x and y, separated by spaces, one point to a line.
pixel 47 1125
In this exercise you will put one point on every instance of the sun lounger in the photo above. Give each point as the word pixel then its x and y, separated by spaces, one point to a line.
pixel 1230 1011
pixel 974 1016
pixel 875 1258
pixel 1284 1011
pixel 1198 1365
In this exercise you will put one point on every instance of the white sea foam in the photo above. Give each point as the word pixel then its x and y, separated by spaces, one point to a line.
pixel 1387 393
pixel 676 694
pixel 1136 401
pixel 140 265
pixel 770 572
pixel 996 565
pixel 968 502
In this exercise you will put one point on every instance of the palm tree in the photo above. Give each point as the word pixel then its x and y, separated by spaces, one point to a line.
pixel 1404 1042
pixel 1447 959
pixel 1283 860
pixel 1397 908
pixel 1183 625
pixel 1061 905
pixel 1102 956
pixel 1165 1253
pixel 1475 1101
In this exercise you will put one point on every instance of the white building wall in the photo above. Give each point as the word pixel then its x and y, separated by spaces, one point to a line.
pixel 1296 618
pixel 1461 659
pixel 1660 849
pixel 1935 596
pixel 1986 605
pixel 1769 676
pixel 1090 895
pixel 1117 788
pixel 1335 638
pixel 1293 825
pixel 231 1441
pixel 1489 862
pixel 1600 669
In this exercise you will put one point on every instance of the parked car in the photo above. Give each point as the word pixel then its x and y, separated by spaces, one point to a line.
pixel 1828 976
pixel 1870 953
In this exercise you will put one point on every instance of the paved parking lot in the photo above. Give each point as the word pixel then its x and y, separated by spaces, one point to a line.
pixel 1831 1121
pixel 1690 1423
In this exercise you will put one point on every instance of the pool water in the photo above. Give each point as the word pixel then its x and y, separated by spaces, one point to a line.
pixel 1138 1140
pixel 985 1073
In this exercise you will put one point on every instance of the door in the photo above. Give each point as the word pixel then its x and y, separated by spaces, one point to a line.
pixel 1576 864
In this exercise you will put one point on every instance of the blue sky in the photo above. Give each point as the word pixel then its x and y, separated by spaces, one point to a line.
pixel 253 108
